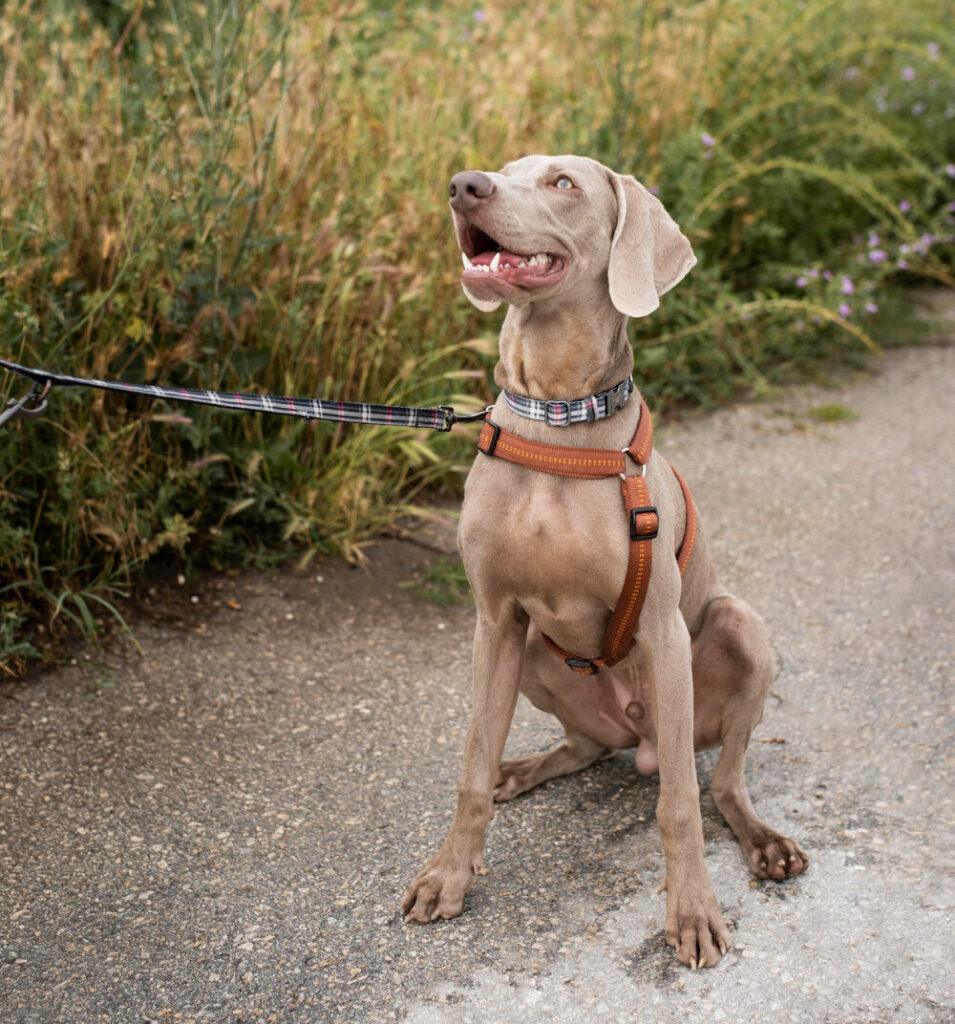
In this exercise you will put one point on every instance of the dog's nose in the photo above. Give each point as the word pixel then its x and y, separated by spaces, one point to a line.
pixel 469 189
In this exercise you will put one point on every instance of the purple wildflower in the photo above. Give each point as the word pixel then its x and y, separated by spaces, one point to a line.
pixel 851 74
pixel 908 73
pixel 844 309
pixel 950 170
pixel 881 104
pixel 877 255
pixel 802 281
pixel 827 275
pixel 654 189
pixel 924 243
pixel 847 287
pixel 812 273
pixel 902 264
pixel 707 140
pixel 933 50
pixel 905 206
pixel 480 15
pixel 872 307
pixel 874 240
pixel 918 109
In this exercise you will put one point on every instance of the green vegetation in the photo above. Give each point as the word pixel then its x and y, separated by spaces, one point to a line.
pixel 443 582
pixel 833 412
pixel 252 196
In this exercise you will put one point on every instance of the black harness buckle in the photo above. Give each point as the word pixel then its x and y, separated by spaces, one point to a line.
pixel 579 664
pixel 635 533
pixel 492 444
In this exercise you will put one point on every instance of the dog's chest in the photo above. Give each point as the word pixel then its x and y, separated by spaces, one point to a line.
pixel 543 539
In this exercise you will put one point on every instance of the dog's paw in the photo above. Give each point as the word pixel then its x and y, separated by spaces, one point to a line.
pixel 695 927
pixel 774 856
pixel 438 892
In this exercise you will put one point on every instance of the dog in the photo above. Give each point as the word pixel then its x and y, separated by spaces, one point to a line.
pixel 574 249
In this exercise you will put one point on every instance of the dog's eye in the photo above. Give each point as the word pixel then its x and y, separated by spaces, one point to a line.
pixel 564 182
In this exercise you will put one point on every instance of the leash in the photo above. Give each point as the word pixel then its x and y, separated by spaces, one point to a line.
pixel 642 517
pixel 34 402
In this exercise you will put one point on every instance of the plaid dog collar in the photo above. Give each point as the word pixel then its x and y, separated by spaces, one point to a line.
pixel 562 412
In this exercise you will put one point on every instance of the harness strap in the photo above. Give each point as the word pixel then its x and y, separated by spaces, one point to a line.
pixel 584 463
pixel 643 520
pixel 559 460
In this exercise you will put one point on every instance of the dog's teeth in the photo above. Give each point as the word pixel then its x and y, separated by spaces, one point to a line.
pixel 522 264
pixel 465 261
pixel 496 262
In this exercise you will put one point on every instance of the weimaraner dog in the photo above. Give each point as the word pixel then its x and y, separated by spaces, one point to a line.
pixel 575 249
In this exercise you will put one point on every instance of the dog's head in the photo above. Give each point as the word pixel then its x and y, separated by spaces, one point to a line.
pixel 544 224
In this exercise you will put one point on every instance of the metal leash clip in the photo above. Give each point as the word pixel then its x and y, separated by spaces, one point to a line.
pixel 32 404
pixel 451 416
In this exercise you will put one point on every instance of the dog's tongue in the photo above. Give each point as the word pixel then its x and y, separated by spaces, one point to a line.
pixel 507 257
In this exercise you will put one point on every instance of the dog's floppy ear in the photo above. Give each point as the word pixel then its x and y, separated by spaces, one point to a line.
pixel 484 305
pixel 649 254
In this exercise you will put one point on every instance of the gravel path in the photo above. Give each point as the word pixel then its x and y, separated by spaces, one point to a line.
pixel 220 830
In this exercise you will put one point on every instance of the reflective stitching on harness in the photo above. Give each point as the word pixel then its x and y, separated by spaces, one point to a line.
pixel 558 460
pixel 641 563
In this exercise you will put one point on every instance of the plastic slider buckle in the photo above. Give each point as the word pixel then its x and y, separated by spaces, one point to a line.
pixel 635 532
pixel 617 398
pixel 555 407
pixel 492 444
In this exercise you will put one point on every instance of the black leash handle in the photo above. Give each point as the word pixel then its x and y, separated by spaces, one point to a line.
pixel 442 417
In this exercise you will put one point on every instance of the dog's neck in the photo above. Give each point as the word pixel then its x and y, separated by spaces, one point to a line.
pixel 557 351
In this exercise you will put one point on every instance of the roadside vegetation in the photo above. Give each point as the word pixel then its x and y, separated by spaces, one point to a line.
pixel 252 195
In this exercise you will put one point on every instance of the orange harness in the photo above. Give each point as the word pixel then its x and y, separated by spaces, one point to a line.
pixel 642 518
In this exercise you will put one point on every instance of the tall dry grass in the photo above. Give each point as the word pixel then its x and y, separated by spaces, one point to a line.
pixel 251 195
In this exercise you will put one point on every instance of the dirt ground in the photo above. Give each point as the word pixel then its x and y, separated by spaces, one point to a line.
pixel 221 828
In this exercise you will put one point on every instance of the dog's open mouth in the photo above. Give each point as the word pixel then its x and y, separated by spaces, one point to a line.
pixel 485 259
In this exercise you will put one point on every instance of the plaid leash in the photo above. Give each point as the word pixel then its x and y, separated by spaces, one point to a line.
pixel 563 412
pixel 442 417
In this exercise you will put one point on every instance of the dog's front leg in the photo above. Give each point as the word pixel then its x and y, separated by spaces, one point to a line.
pixel 694 924
pixel 439 888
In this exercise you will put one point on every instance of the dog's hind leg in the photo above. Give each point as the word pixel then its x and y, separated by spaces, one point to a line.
pixel 732 672
pixel 519 774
